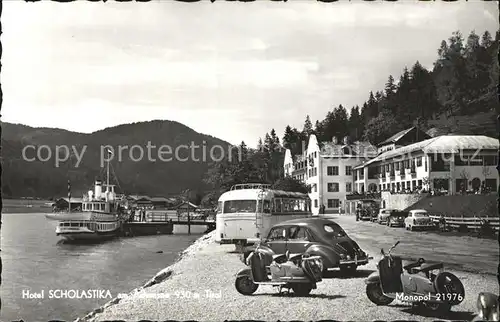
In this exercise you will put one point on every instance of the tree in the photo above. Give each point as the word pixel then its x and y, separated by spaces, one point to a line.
pixel 380 128
pixel 291 184
pixel 288 138
pixel 390 87
pixel 308 128
pixel 341 122
pixel 260 145
pixel 372 106
pixel 275 141
pixel 355 124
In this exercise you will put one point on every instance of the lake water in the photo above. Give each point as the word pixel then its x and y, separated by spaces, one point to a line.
pixel 34 260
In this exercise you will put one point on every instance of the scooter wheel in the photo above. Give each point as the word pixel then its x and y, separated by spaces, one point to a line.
pixel 374 293
pixel 245 285
pixel 302 289
pixel 442 308
pixel 447 283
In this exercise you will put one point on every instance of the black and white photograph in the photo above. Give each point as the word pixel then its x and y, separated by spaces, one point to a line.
pixel 267 160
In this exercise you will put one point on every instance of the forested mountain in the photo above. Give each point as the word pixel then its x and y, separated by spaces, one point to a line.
pixel 459 95
pixel 44 179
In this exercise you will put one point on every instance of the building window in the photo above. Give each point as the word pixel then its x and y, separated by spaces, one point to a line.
pixel 333 187
pixel 348 187
pixel 425 163
pixel 419 161
pixel 315 188
pixel 420 183
pixel 315 203
pixel 348 170
pixel 397 166
pixel 333 203
pixel 332 171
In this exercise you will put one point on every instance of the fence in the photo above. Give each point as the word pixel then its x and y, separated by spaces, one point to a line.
pixel 471 223
pixel 163 216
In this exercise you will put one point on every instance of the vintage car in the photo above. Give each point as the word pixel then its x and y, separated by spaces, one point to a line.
pixel 383 214
pixel 396 218
pixel 317 236
pixel 418 219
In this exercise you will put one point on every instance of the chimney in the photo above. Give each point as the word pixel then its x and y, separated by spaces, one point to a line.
pixel 335 140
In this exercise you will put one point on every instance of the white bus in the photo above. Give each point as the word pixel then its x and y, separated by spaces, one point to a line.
pixel 247 212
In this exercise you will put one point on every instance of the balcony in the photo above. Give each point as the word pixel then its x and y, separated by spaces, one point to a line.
pixel 366 195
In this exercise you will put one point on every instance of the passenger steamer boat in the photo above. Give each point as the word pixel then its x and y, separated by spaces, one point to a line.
pixel 101 217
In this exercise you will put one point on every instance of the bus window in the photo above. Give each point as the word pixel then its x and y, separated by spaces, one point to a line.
pixel 232 206
pixel 267 207
pixel 219 207
pixel 278 207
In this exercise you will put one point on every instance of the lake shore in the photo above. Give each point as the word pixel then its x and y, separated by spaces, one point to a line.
pixel 200 286
pixel 19 206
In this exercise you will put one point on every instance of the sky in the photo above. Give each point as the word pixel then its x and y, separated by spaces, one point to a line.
pixel 228 69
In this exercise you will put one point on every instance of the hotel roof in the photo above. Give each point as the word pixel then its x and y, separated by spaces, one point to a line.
pixel 358 148
pixel 441 144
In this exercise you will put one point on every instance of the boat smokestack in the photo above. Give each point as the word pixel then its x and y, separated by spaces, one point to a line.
pixel 98 189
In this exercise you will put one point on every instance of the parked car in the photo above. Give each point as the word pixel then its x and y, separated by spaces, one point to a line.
pixel 317 236
pixel 418 219
pixel 383 214
pixel 397 218
pixel 365 215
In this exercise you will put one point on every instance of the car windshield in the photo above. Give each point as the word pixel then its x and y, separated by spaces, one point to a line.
pixel 420 214
pixel 334 230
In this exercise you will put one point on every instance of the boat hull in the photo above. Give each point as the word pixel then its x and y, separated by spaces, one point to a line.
pixel 87 236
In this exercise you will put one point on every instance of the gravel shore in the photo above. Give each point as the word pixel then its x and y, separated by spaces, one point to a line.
pixel 201 287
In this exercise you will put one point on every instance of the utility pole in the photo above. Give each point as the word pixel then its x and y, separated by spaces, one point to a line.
pixel 188 215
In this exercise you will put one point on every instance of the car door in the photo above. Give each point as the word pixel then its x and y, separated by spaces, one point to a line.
pixel 276 239
pixel 299 238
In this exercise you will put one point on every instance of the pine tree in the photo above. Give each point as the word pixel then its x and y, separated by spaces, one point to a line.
pixel 288 138
pixel 355 124
pixel 390 87
pixel 308 128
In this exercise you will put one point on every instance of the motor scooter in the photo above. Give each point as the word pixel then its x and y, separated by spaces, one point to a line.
pixel 488 308
pixel 299 272
pixel 415 283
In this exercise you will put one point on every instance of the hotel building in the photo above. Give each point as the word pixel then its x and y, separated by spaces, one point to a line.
pixel 328 169
pixel 410 161
pixel 449 164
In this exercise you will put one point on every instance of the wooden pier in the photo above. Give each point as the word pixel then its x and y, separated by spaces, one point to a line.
pixel 161 222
